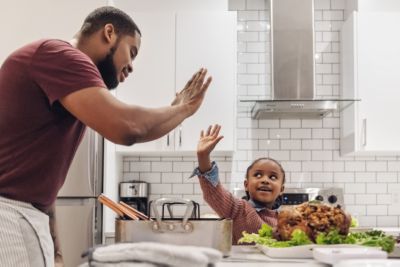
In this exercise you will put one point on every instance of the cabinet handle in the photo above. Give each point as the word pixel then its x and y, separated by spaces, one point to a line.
pixel 167 139
pixel 365 132
pixel 180 135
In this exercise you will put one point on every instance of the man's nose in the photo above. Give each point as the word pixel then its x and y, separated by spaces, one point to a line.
pixel 130 67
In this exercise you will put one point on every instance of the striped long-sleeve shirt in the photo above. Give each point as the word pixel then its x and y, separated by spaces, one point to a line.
pixel 245 217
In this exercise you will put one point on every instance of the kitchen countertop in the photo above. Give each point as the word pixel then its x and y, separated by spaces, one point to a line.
pixel 252 257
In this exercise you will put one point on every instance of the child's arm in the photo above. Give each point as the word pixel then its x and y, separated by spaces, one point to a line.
pixel 206 144
pixel 220 200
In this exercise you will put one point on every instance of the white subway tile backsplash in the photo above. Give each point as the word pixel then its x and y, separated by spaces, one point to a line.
pixel 377 166
pixel 247 144
pixel 322 177
pixel 333 166
pixel 355 188
pixel 291 124
pixel 256 4
pixel 365 177
pixel 394 209
pixel 138 166
pixel 258 133
pixel 247 15
pixel 355 166
pixel 280 155
pixel 321 155
pixel 387 221
pixel 338 4
pixel 367 221
pixel 291 144
pixel 384 199
pixel 300 155
pixel 386 177
pixel 357 210
pixel 377 188
pixel 363 199
pixel 321 26
pixel 257 47
pixel 182 188
pixel 331 144
pixel 171 177
pixel 291 166
pixel 377 210
pixel 150 177
pixel 300 133
pixel 183 166
pixel 394 166
pixel 279 133
pixel 343 177
pixel 160 189
pixel 161 166
pixel 269 124
pixel 268 144
pixel 322 133
pixel 332 15
pixel 312 166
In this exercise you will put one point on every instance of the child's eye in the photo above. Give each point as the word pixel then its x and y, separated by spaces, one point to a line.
pixel 257 175
pixel 273 177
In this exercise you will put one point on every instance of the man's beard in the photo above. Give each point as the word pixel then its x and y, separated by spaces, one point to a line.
pixel 108 70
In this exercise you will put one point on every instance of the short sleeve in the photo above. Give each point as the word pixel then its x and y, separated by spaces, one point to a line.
pixel 60 69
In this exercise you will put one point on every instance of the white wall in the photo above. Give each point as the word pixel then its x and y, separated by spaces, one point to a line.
pixel 307 149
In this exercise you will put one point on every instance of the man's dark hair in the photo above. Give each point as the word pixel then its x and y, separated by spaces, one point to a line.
pixel 122 22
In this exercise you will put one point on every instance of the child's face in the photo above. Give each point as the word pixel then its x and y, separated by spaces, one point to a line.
pixel 265 182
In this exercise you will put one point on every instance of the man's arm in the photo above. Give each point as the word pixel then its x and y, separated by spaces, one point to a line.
pixel 127 124
pixel 51 212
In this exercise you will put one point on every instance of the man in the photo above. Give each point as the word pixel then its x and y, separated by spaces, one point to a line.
pixel 49 91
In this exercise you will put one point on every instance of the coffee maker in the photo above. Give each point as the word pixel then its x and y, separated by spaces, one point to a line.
pixel 135 194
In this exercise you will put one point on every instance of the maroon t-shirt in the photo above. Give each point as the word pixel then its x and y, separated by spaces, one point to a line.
pixel 38 136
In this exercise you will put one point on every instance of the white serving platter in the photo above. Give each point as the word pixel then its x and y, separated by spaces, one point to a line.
pixel 299 252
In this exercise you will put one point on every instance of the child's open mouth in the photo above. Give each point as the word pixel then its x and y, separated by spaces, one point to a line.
pixel 264 189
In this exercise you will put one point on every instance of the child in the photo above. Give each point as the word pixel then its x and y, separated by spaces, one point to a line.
pixel 264 183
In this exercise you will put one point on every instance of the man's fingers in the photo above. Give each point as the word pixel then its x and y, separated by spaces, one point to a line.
pixel 201 134
pixel 209 130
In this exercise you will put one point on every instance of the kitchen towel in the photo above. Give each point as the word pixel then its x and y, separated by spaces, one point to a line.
pixel 152 254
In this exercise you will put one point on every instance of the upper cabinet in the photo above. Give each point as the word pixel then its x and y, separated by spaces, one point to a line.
pixel 174 46
pixel 28 21
pixel 370 72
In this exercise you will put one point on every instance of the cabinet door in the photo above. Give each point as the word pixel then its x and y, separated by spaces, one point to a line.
pixel 379 81
pixel 28 21
pixel 152 82
pixel 207 40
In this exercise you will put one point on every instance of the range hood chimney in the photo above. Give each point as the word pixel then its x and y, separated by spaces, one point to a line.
pixel 293 65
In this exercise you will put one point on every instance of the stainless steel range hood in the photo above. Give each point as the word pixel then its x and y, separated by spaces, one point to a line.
pixel 293 65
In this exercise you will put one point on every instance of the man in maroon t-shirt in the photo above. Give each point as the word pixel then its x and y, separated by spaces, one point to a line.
pixel 49 91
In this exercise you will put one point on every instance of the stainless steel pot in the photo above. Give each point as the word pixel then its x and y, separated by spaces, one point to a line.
pixel 215 233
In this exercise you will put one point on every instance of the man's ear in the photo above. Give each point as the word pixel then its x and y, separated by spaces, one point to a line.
pixel 109 33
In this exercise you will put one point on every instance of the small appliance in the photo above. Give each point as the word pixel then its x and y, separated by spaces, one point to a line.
pixel 135 194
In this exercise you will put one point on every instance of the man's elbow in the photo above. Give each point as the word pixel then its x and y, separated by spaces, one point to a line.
pixel 131 135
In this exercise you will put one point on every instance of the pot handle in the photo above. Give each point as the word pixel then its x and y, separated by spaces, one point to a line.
pixel 161 201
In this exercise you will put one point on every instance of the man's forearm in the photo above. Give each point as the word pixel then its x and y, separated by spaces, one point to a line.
pixel 162 123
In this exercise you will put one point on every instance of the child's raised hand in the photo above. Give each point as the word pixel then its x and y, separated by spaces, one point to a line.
pixel 208 140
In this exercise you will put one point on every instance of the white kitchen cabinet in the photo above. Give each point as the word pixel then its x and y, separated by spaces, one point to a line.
pixel 173 48
pixel 370 72
pixel 27 21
